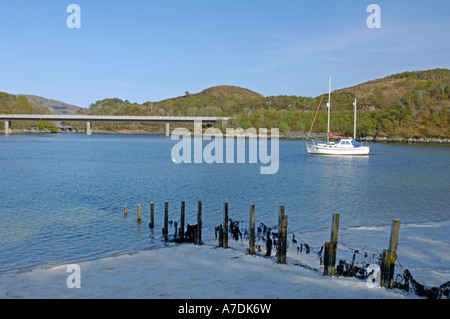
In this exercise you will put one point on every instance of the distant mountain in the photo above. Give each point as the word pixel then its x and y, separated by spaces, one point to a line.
pixel 54 106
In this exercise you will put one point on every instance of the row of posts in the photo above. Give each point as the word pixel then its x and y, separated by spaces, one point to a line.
pixel 388 256
pixel 388 259
pixel 223 228
pixel 282 234
pixel 165 231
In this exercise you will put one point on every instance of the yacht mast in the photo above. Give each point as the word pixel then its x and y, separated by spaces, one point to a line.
pixel 354 122
pixel 328 106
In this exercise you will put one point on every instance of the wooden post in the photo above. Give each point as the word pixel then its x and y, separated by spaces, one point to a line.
pixel 198 239
pixel 166 220
pixel 334 228
pixel 220 235
pixel 175 225
pixel 139 213
pixel 284 242
pixel 251 250
pixel 152 215
pixel 225 225
pixel 183 208
pixel 393 239
pixel 282 237
pixel 329 259
pixel 125 211
pixel 384 268
pixel 389 257
pixel 280 227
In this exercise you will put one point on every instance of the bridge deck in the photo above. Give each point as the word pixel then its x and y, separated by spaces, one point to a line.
pixel 110 118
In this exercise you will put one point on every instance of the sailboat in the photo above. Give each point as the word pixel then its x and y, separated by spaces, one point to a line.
pixel 345 145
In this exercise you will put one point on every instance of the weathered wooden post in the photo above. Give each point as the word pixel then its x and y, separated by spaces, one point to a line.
pixel 166 220
pixel 284 240
pixel 175 226
pixel 282 237
pixel 389 257
pixel 251 249
pixel 280 227
pixel 329 260
pixel 125 212
pixel 139 213
pixel 183 208
pixel 220 235
pixel 152 215
pixel 198 237
pixel 225 225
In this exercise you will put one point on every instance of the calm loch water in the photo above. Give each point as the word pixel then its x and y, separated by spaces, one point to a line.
pixel 62 195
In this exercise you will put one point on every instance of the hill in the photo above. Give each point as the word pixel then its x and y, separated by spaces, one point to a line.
pixel 409 104
pixel 227 91
pixel 12 104
pixel 33 104
pixel 382 92
pixel 54 106
pixel 404 105
pixel 216 93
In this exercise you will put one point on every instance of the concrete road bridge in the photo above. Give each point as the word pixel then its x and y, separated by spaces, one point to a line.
pixel 196 120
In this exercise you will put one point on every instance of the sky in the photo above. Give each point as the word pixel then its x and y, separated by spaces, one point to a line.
pixel 150 50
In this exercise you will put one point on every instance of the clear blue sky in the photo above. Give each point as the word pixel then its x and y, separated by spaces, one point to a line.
pixel 149 50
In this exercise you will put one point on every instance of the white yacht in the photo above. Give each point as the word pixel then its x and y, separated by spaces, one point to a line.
pixel 345 146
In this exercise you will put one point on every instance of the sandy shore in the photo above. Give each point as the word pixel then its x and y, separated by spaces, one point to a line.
pixel 187 272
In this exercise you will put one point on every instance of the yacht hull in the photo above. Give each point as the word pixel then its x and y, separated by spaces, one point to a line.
pixel 332 149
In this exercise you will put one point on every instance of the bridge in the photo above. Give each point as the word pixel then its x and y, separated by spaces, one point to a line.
pixel 196 120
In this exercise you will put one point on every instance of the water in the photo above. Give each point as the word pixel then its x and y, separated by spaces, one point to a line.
pixel 62 195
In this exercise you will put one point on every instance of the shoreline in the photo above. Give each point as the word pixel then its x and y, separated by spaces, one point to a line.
pixel 302 136
pixel 372 139
pixel 188 271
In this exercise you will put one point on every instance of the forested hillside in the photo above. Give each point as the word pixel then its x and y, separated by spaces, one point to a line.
pixel 405 105
pixel 409 104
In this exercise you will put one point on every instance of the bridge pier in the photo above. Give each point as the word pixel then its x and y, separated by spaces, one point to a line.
pixel 88 128
pixel 167 129
pixel 224 124
pixel 7 127
pixel 198 128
